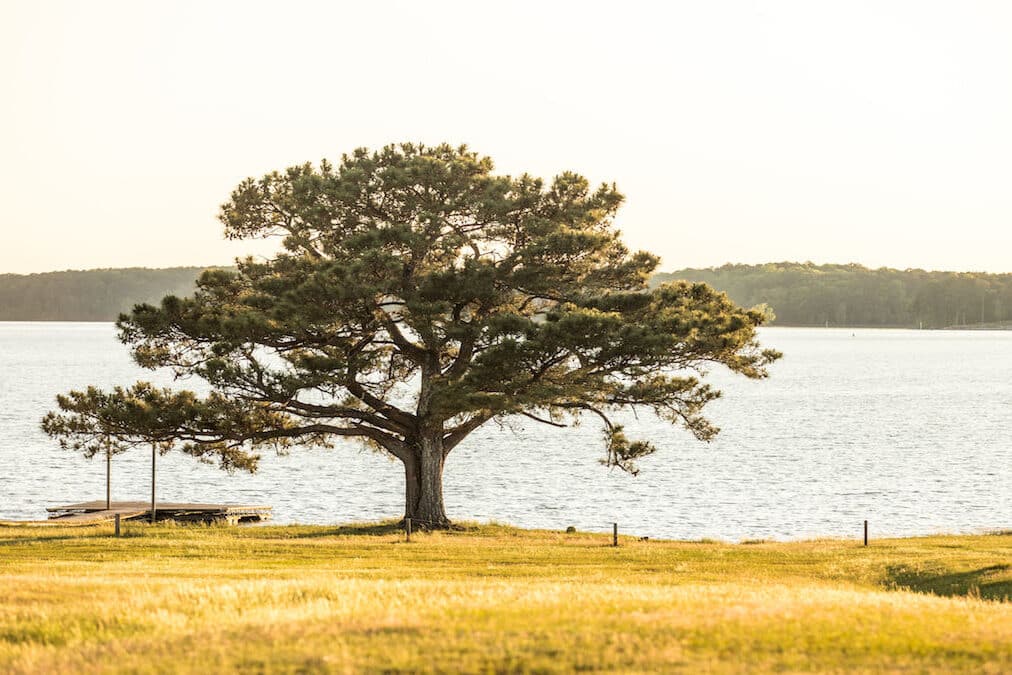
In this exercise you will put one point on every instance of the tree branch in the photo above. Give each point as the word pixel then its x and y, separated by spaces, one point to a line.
pixel 394 445
pixel 460 432
pixel 543 420
pixel 344 412
pixel 407 347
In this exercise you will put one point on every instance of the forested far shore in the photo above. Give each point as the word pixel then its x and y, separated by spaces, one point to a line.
pixel 800 294
pixel 805 294
pixel 89 295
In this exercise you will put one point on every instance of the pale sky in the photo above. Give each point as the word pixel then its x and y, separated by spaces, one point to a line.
pixel 871 132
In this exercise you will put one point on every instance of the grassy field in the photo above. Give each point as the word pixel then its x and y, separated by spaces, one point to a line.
pixel 494 599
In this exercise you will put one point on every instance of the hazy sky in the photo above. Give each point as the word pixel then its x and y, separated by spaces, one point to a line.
pixel 877 132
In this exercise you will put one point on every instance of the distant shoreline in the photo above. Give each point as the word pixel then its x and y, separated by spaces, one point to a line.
pixel 976 329
pixel 801 295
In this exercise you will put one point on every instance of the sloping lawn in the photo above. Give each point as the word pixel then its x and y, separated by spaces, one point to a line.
pixel 298 599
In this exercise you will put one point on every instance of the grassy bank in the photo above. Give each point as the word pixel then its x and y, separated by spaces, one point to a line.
pixel 317 599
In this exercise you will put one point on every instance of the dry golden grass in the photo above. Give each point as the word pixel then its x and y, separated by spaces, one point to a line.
pixel 494 599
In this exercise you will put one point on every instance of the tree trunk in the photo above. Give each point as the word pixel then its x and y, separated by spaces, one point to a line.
pixel 423 494
pixel 412 485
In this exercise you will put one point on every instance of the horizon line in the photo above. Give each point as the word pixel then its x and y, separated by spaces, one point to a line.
pixel 680 269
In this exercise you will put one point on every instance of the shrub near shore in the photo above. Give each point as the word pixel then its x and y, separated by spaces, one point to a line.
pixel 490 598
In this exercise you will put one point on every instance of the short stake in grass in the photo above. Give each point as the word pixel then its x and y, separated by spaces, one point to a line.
pixel 866 533
pixel 614 534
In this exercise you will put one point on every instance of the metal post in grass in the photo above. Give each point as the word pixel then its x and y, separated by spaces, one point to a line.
pixel 614 534
pixel 866 533
pixel 407 529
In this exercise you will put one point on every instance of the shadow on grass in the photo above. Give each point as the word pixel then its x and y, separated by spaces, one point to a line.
pixel 386 527
pixel 356 529
pixel 993 582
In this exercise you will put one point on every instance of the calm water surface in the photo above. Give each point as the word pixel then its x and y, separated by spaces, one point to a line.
pixel 909 429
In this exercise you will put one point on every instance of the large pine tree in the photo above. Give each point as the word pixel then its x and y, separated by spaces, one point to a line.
pixel 419 296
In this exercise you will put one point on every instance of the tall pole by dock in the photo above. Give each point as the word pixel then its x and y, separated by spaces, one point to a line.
pixel 108 478
pixel 154 454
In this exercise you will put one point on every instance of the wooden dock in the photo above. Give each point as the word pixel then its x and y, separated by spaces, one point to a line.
pixel 88 513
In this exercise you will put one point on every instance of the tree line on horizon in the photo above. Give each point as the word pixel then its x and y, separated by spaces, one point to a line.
pixel 800 294
pixel 806 294
pixel 89 295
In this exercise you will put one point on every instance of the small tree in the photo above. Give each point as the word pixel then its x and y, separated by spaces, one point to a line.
pixel 418 297
pixel 89 432
pixel 95 422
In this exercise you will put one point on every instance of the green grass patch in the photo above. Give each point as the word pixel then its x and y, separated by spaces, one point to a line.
pixel 491 598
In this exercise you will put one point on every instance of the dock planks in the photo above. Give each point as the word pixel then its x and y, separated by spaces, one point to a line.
pixel 94 512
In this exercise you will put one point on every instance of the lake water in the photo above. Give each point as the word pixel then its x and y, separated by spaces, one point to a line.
pixel 911 430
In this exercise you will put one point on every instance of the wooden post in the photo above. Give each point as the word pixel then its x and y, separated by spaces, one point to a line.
pixel 108 478
pixel 866 533
pixel 117 524
pixel 614 534
pixel 407 529
pixel 154 454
